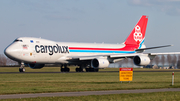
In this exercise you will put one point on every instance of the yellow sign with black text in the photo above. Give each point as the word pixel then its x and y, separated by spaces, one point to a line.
pixel 125 74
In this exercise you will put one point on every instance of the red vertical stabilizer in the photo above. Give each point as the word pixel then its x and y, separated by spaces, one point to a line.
pixel 138 33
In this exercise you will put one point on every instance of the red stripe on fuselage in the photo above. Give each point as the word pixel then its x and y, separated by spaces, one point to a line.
pixel 126 48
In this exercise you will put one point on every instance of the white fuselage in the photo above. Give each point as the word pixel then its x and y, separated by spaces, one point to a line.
pixel 37 50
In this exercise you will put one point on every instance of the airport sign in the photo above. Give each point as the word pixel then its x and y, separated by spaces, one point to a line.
pixel 125 74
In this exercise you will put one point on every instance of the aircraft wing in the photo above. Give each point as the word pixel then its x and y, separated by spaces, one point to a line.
pixel 147 54
pixel 142 49
pixel 107 55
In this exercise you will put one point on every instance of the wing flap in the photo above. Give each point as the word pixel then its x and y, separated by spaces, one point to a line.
pixel 124 55
pixel 85 57
pixel 170 53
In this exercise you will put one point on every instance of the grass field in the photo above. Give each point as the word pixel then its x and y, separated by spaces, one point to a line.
pixel 18 83
pixel 61 82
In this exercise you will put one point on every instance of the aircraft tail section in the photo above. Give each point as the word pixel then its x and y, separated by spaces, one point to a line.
pixel 137 35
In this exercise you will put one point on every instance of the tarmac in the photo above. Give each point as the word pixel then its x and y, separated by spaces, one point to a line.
pixel 91 72
pixel 85 93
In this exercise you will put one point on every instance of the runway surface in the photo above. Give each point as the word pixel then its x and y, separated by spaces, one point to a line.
pixel 85 93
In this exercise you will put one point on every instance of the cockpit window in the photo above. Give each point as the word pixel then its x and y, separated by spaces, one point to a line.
pixel 18 40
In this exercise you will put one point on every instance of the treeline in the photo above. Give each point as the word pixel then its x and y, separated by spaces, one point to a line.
pixel 170 60
pixel 5 61
pixel 159 60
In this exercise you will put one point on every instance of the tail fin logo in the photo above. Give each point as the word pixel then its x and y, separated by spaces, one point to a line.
pixel 137 34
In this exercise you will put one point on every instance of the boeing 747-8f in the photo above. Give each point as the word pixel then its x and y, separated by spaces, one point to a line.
pixel 36 52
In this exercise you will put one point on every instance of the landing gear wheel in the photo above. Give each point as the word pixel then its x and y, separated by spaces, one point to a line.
pixel 21 69
pixel 62 69
pixel 96 70
pixel 87 70
pixel 79 70
pixel 91 70
pixel 65 69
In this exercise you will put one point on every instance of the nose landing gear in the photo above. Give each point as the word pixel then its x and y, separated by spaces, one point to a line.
pixel 22 69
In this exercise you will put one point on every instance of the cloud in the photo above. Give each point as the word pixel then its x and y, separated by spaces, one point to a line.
pixel 170 7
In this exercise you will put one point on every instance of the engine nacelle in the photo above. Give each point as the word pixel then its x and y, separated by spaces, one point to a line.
pixel 141 60
pixel 36 66
pixel 99 63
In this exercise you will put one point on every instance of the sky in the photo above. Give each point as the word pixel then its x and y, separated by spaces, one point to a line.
pixel 89 21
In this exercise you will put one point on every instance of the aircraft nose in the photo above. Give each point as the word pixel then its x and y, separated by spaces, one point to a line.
pixel 11 51
pixel 8 51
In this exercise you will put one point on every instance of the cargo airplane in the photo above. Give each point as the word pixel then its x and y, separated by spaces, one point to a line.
pixel 36 52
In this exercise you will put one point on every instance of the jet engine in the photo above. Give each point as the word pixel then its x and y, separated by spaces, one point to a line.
pixel 99 63
pixel 36 66
pixel 141 60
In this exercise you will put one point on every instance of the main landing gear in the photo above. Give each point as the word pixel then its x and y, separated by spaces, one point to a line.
pixel 65 69
pixel 22 69
pixel 90 69
pixel 80 69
